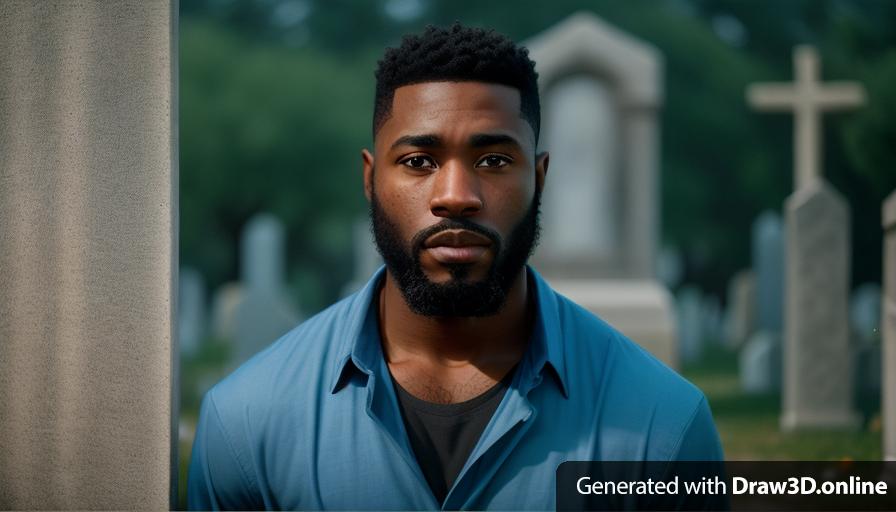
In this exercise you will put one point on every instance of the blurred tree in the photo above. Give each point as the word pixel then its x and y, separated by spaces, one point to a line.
pixel 274 129
pixel 256 74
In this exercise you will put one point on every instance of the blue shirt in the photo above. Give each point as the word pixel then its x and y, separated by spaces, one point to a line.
pixel 312 422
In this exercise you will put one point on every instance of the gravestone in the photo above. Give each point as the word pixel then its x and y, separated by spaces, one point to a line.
pixel 818 365
pixel 227 297
pixel 669 267
pixel 367 259
pixel 759 363
pixel 768 264
pixel 88 255
pixel 191 319
pixel 601 91
pixel 864 319
pixel 741 316
pixel 864 313
pixel 888 325
pixel 265 312
pixel 763 345
pixel 711 319
pixel 818 380
pixel 690 323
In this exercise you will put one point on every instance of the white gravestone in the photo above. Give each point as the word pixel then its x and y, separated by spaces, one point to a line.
pixel 191 321
pixel 768 264
pixel 690 323
pixel 759 363
pixel 741 316
pixel 601 91
pixel 367 259
pixel 223 324
pixel 818 379
pixel 265 312
pixel 888 325
pixel 764 345
pixel 864 320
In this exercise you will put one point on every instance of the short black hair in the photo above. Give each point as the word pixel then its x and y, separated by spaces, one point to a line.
pixel 457 53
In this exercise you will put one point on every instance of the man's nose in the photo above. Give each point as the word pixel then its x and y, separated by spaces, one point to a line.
pixel 456 192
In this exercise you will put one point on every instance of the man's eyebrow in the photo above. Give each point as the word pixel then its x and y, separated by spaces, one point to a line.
pixel 420 141
pixel 481 140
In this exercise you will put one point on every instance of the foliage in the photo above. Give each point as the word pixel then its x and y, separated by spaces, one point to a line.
pixel 268 128
pixel 276 99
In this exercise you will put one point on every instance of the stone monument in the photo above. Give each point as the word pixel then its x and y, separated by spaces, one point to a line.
pixel 818 381
pixel 888 325
pixel 367 259
pixel 601 90
pixel 265 311
pixel 741 315
pixel 88 252
pixel 191 317
pixel 764 345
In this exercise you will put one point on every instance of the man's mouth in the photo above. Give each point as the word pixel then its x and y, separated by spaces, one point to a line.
pixel 457 246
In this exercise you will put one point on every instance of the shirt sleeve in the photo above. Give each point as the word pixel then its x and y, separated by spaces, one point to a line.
pixel 700 441
pixel 217 479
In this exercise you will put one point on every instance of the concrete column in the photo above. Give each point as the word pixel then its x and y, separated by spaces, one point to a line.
pixel 88 252
pixel 888 322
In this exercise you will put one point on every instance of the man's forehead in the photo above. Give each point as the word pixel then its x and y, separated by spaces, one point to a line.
pixel 424 105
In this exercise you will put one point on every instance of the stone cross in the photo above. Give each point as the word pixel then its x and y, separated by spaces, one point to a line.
pixel 807 98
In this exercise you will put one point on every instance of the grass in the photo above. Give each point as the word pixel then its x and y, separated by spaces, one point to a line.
pixel 748 424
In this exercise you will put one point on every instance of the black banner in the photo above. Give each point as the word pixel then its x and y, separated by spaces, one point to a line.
pixel 758 486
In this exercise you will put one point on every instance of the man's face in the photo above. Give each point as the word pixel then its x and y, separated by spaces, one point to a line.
pixel 454 195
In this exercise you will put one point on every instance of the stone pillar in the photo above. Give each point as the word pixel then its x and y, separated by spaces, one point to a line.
pixel 888 322
pixel 818 383
pixel 88 252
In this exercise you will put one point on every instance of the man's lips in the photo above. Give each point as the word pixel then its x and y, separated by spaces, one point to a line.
pixel 457 246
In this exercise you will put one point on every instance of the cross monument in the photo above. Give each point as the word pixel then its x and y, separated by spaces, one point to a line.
pixel 808 99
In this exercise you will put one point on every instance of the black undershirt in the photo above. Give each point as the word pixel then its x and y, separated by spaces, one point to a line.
pixel 443 435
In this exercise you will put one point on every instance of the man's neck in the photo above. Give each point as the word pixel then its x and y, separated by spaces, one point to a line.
pixel 448 351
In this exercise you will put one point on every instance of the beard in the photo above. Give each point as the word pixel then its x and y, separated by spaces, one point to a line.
pixel 458 297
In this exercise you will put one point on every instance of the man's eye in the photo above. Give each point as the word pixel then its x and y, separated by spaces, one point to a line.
pixel 493 161
pixel 419 162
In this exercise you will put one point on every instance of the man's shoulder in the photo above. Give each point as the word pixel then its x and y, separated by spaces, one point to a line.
pixel 298 362
pixel 655 411
pixel 625 368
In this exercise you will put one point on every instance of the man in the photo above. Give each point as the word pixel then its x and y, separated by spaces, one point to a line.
pixel 456 378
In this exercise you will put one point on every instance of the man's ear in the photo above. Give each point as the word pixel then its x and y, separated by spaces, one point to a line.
pixel 367 161
pixel 541 169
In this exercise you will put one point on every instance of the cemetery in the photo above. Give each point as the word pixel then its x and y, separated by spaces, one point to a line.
pixel 724 202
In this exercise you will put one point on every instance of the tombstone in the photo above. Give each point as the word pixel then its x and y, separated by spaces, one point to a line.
pixel 191 323
pixel 88 252
pixel 759 363
pixel 741 317
pixel 768 264
pixel 227 297
pixel 762 345
pixel 669 267
pixel 711 319
pixel 818 380
pixel 367 259
pixel 888 327
pixel 864 313
pixel 265 312
pixel 601 91
pixel 864 319
pixel 690 324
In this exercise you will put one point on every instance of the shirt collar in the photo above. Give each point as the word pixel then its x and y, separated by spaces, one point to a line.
pixel 361 351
